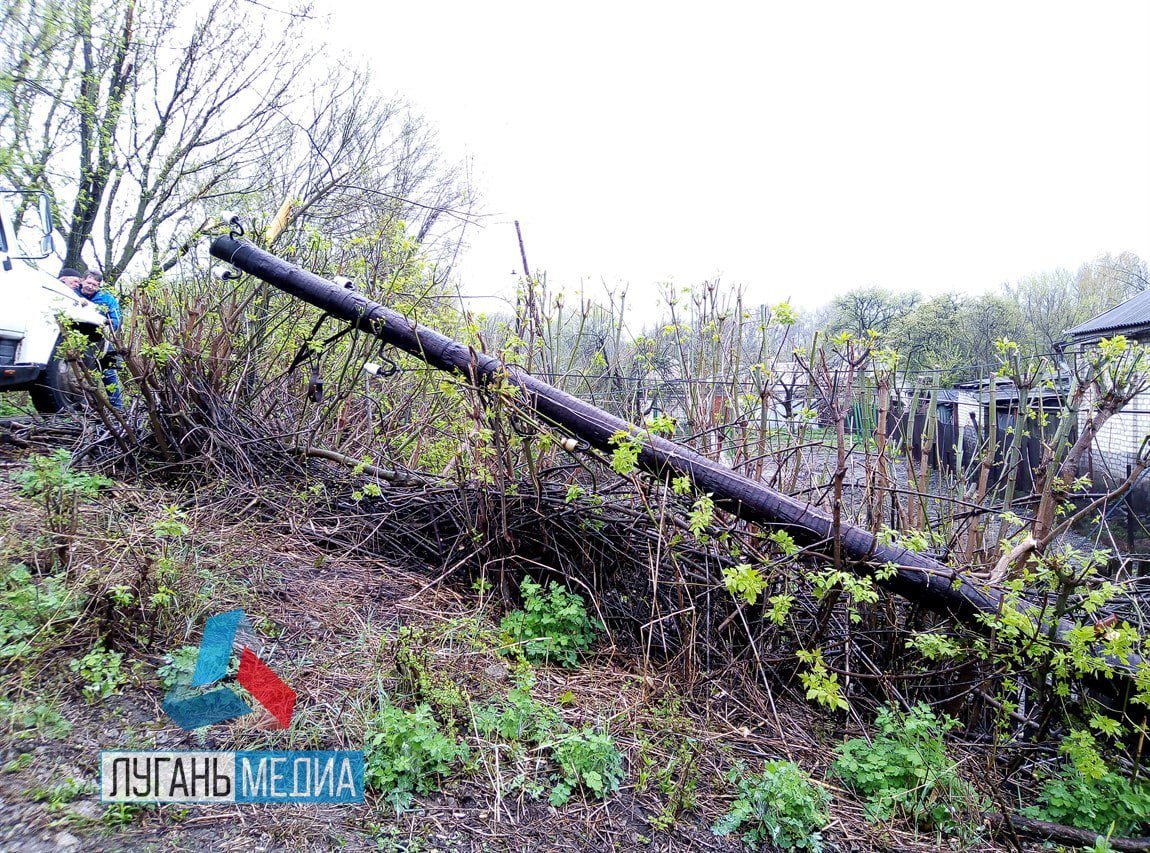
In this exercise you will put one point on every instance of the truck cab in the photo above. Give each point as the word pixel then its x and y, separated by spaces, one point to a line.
pixel 35 307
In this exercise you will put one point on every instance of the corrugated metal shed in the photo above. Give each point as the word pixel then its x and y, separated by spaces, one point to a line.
pixel 1131 318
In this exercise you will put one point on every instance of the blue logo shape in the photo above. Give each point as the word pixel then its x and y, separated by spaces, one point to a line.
pixel 192 710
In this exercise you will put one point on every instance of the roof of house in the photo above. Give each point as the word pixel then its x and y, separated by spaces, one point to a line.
pixel 1005 390
pixel 1132 317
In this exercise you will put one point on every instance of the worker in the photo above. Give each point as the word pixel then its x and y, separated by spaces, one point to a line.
pixel 72 278
pixel 108 305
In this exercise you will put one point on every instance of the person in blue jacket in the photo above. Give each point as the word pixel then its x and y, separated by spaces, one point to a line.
pixel 110 307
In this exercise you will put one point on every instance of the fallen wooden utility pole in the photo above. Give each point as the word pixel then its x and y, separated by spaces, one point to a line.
pixel 917 577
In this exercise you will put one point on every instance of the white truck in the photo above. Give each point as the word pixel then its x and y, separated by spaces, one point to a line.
pixel 35 306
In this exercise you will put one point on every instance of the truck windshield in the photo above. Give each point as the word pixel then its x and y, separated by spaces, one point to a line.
pixel 22 228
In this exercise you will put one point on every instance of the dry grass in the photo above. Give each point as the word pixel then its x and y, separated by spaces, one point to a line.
pixel 330 618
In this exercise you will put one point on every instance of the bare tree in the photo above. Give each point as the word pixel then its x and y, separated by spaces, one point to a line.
pixel 349 162
pixel 870 309
pixel 137 115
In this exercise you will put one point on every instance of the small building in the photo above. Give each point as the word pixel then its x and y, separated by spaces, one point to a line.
pixel 1048 397
pixel 1119 440
pixel 970 404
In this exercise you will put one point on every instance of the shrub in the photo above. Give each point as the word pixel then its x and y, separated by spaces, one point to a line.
pixel 406 753
pixel 59 490
pixel 587 758
pixel 551 628
pixel 1111 804
pixel 779 806
pixel 904 772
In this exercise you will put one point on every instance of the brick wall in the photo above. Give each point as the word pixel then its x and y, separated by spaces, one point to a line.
pixel 1123 434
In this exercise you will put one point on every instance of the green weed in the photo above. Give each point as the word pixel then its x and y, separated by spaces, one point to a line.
pixel 178 667
pixel 519 716
pixel 586 758
pixel 780 806
pixel 905 772
pixel 120 815
pixel 552 627
pixel 1111 804
pixel 406 753
pixel 31 609
pixel 52 483
pixel 1088 794
pixel 422 679
pixel 60 795
pixel 20 762
pixel 101 671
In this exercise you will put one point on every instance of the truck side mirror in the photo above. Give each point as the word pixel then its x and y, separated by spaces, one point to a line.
pixel 47 244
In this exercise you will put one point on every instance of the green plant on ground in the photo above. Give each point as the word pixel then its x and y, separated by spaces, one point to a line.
pixel 31 609
pixel 102 673
pixel 1086 793
pixel 20 762
pixel 119 815
pixel 552 627
pixel 904 772
pixel 40 720
pixel 674 775
pixel 780 806
pixel 407 753
pixel 422 679
pixel 12 406
pixel 586 758
pixel 178 667
pixel 518 716
pixel 1111 804
pixel 51 482
pixel 666 760
pixel 60 795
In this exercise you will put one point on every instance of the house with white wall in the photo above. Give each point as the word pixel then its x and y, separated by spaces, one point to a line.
pixel 1119 440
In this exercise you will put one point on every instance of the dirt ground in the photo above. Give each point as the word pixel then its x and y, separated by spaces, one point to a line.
pixel 331 626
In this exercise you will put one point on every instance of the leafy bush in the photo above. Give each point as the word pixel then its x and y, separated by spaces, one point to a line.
pixel 779 806
pixel 29 609
pixel 1111 804
pixel 904 772
pixel 587 758
pixel 59 490
pixel 552 627
pixel 102 672
pixel 1088 794
pixel 406 753
pixel 744 582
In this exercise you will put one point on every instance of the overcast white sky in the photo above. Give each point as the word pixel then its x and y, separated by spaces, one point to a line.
pixel 800 149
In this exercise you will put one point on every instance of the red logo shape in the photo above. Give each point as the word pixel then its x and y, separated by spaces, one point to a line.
pixel 266 687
